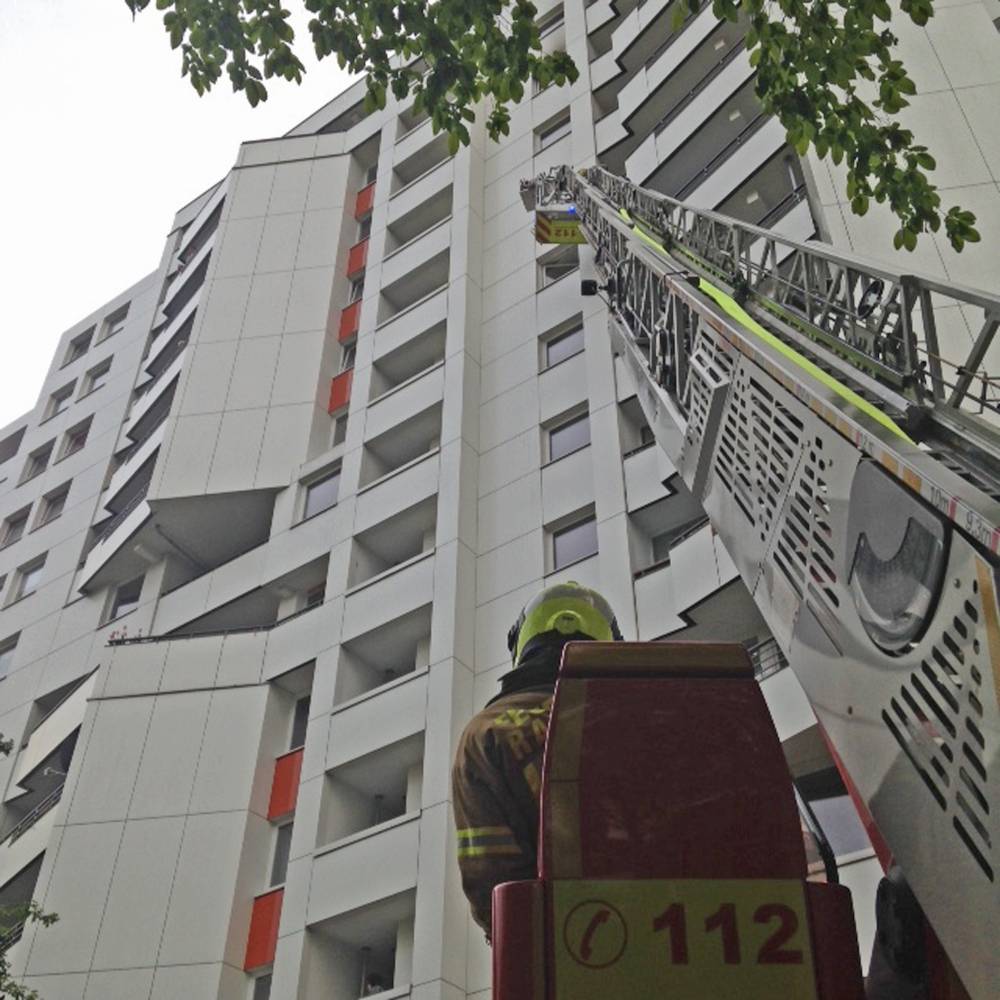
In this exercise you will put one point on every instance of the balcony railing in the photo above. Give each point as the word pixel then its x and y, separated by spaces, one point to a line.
pixel 365 200
pixel 350 321
pixel 357 258
pixel 31 818
pixel 340 390
pixel 204 633
pixel 684 532
pixel 752 128
pixel 712 73
pixel 11 937
pixel 107 528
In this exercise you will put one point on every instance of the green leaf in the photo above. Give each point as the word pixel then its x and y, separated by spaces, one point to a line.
pixel 453 143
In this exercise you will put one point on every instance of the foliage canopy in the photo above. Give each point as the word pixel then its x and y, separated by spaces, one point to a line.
pixel 827 69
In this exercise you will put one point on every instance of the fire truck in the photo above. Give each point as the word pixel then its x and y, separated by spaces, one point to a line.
pixel 852 473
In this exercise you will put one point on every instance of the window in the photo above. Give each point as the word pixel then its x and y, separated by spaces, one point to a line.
pixel 282 848
pixel 96 377
pixel 571 436
pixel 552 132
pixel 340 429
pixel 557 264
pixel 125 598
pixel 114 324
pixel 7 648
pixel 575 542
pixel 563 346
pixel 315 596
pixel 299 722
pixel 349 352
pixel 59 400
pixel 79 346
pixel 364 228
pixel 28 578
pixel 14 526
pixel 10 445
pixel 75 439
pixel 357 289
pixel 371 175
pixel 322 494
pixel 53 504
pixel 262 987
pixel 38 462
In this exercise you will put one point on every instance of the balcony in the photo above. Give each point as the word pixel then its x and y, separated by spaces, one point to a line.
pixel 112 535
pixel 403 589
pixel 262 939
pixel 405 264
pixel 379 549
pixel 419 277
pixel 152 392
pixel 417 196
pixel 387 655
pixel 416 155
pixel 396 335
pixel 415 481
pixel 411 418
pixel 350 322
pixel 655 610
pixel 646 473
pixel 393 369
pixel 140 456
pixel 357 257
pixel 340 391
pixel 364 201
pixel 365 870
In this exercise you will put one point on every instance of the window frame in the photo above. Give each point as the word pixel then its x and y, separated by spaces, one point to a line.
pixel 555 129
pixel 45 515
pixel 555 258
pixel 590 517
pixel 23 574
pixel 8 647
pixel 281 853
pixel 318 480
pixel 78 431
pixel 60 400
pixel 37 462
pixel 112 325
pixel 79 346
pixel 101 370
pixel 118 610
pixel 565 423
pixel 557 338
pixel 19 517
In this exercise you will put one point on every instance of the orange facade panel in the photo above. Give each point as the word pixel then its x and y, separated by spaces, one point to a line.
pixel 263 937
pixel 285 784
pixel 365 200
pixel 350 321
pixel 357 258
pixel 340 390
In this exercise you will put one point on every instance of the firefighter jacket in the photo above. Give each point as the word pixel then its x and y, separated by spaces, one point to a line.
pixel 496 780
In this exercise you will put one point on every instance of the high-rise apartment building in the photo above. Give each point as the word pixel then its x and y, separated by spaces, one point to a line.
pixel 266 528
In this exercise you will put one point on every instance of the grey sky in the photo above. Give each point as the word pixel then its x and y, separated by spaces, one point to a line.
pixel 102 142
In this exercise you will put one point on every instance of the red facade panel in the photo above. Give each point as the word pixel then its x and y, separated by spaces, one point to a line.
pixel 340 390
pixel 357 258
pixel 285 785
pixel 263 937
pixel 350 320
pixel 365 200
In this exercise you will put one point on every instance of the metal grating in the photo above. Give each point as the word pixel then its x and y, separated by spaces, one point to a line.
pixel 710 368
pixel 937 719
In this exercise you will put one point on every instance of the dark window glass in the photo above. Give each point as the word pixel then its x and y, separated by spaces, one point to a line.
pixel 126 598
pixel 29 578
pixel 299 722
pixel 575 542
pixel 262 988
pixel 7 648
pixel 282 847
pixel 13 528
pixel 569 437
pixel 322 494
pixel 564 346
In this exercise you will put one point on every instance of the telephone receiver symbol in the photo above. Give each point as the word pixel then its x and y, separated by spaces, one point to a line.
pixel 600 917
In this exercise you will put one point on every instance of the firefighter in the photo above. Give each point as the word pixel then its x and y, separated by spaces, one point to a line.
pixel 498 767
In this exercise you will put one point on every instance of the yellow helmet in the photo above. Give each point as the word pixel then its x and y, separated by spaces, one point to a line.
pixel 559 614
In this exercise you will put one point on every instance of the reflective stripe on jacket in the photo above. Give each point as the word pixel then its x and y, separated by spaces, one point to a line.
pixel 495 784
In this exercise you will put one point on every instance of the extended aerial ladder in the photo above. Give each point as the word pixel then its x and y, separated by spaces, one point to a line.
pixel 853 475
